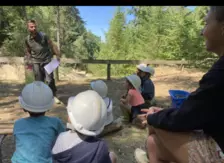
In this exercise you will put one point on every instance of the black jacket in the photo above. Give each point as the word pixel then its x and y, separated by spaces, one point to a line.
pixel 148 88
pixel 91 150
pixel 203 110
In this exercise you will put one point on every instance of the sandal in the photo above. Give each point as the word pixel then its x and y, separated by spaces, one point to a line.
pixel 141 156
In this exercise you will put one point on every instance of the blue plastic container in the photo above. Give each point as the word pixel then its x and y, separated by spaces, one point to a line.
pixel 178 97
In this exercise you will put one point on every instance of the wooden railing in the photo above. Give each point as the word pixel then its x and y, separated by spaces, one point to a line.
pixel 20 60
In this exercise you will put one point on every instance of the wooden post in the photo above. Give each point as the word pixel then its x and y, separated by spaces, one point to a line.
pixel 182 67
pixel 58 39
pixel 108 71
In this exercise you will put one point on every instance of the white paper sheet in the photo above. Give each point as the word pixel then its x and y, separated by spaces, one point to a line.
pixel 50 67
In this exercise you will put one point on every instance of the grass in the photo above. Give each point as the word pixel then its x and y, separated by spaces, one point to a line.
pixel 29 77
pixel 118 70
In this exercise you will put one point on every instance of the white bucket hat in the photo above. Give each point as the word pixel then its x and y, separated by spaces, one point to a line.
pixel 36 97
pixel 151 70
pixel 100 87
pixel 135 81
pixel 87 112
pixel 145 68
pixel 141 67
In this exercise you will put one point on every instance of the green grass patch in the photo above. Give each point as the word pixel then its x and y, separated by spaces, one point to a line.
pixel 29 77
pixel 118 70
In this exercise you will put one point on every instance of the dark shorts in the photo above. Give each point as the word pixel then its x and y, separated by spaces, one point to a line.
pixel 136 110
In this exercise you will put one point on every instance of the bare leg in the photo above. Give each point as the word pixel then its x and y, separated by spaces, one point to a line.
pixel 164 146
pixel 153 151
pixel 113 157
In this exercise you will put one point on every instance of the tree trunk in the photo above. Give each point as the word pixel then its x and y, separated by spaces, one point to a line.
pixel 58 38
pixel 24 13
pixel 1 17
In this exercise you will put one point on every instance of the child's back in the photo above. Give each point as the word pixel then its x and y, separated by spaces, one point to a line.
pixel 101 88
pixel 35 137
pixel 109 104
pixel 80 144
pixel 73 147
pixel 136 98
pixel 132 104
pixel 147 86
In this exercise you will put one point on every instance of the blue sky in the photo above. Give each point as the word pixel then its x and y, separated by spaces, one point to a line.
pixel 97 18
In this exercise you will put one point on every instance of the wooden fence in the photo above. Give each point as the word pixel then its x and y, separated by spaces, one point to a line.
pixel 20 60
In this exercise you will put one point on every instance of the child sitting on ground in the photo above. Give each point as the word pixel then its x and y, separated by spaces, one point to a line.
pixel 87 114
pixel 132 104
pixel 36 134
pixel 147 86
pixel 101 88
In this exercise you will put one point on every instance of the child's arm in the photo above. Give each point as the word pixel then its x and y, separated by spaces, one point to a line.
pixel 124 95
pixel 61 127
pixel 127 99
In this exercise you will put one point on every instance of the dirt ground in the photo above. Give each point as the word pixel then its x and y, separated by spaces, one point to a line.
pixel 123 142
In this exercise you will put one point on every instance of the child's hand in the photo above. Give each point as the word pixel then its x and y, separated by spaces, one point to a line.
pixel 143 119
pixel 122 100
pixel 151 110
pixel 155 109
pixel 147 112
pixel 123 96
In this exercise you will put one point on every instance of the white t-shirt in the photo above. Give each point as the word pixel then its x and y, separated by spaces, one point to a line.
pixel 109 104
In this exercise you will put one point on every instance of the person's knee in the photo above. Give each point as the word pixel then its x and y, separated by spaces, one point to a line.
pixel 151 144
pixel 113 157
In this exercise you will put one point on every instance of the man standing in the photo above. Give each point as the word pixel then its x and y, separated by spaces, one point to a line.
pixel 40 50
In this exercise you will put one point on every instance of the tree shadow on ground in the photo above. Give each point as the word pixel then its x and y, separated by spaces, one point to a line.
pixel 72 88
pixel 180 81
pixel 163 101
pixel 2 104
pixel 9 92
pixel 8 88
pixel 116 89
pixel 123 142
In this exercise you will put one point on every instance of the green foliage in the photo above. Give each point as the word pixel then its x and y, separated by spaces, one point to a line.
pixel 156 32
pixel 75 41
pixel 29 77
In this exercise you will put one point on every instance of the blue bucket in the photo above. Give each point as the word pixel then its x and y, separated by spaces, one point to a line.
pixel 178 97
